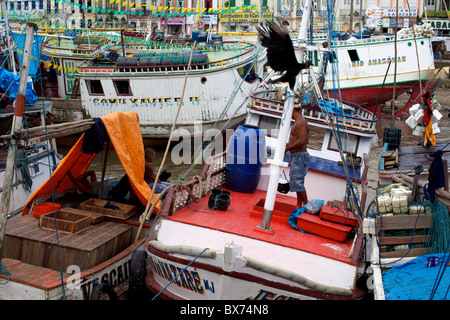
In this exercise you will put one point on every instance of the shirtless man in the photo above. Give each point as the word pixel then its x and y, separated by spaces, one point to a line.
pixel 299 156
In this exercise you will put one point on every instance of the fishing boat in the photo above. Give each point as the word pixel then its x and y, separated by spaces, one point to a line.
pixel 35 161
pixel 68 244
pixel 147 78
pixel 407 233
pixel 363 71
pixel 249 236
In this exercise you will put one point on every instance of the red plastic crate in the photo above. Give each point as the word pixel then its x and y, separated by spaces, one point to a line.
pixel 330 230
pixel 340 216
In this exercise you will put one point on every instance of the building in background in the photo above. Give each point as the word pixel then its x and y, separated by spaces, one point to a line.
pixel 180 17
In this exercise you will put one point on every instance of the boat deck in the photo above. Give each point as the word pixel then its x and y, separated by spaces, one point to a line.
pixel 26 241
pixel 241 218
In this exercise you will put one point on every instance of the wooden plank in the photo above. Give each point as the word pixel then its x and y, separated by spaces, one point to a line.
pixel 414 252
pixel 404 221
pixel 403 240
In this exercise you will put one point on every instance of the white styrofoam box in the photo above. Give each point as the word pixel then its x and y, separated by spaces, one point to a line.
pixel 436 116
pixel 419 115
pixel 435 127
pixel 418 131
pixel 435 105
pixel 414 109
pixel 411 122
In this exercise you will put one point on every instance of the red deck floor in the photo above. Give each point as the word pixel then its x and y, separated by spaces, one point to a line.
pixel 239 220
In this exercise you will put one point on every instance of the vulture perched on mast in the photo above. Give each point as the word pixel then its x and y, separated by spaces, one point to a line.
pixel 280 52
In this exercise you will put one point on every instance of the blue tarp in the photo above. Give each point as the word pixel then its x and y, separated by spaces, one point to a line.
pixel 10 82
pixel 35 52
pixel 415 281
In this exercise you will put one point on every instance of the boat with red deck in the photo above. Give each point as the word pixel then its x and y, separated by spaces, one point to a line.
pixel 197 252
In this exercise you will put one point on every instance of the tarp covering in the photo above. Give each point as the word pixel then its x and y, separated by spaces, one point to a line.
pixel 19 39
pixel 10 82
pixel 125 136
pixel 415 281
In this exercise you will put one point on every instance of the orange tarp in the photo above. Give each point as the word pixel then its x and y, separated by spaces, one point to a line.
pixel 125 136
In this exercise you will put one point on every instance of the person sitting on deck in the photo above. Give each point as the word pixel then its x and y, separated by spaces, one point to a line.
pixel 150 176
pixel 82 182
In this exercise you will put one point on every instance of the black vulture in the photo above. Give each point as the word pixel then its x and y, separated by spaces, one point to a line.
pixel 280 52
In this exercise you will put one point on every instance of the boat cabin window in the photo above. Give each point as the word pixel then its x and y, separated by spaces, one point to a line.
pixel 94 87
pixel 353 55
pixel 269 126
pixel 349 143
pixel 122 87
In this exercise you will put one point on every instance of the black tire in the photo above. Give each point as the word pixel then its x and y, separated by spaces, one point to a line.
pixel 101 288
pixel 136 284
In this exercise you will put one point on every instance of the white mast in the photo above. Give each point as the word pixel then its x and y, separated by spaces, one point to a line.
pixel 17 125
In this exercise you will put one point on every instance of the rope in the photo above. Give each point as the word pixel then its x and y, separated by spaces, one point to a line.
pixel 179 273
pixel 3 270
pixel 26 176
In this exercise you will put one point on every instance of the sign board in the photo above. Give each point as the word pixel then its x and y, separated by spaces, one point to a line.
pixel 440 24
pixel 375 13
pixel 243 17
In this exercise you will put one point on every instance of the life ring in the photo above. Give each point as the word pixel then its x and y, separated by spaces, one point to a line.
pixel 101 288
pixel 136 279
pixel 200 24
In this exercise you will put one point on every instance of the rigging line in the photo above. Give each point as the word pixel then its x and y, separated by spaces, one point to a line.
pixel 53 195
pixel 212 138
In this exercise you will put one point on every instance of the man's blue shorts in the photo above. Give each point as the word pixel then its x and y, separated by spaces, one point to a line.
pixel 299 168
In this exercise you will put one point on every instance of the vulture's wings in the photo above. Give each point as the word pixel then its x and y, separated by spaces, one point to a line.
pixel 280 51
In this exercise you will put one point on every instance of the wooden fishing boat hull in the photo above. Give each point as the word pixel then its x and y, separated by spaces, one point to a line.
pixel 216 97
pixel 365 72
pixel 29 282
pixel 206 279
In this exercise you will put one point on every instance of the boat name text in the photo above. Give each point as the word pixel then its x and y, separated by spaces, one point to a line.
pixel 376 62
pixel 189 280
pixel 114 277
pixel 268 295
pixel 149 102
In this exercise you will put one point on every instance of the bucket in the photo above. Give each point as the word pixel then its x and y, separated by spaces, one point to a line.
pixel 219 199
pixel 44 208
pixel 244 158
pixel 283 186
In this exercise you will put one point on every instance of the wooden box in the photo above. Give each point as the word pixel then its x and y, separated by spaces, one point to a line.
pixel 330 230
pixel 68 222
pixel 124 211
pixel 399 232
pixel 95 217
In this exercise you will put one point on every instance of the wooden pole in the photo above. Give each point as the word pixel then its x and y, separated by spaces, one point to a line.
pixel 104 169
pixel 17 124
pixel 144 215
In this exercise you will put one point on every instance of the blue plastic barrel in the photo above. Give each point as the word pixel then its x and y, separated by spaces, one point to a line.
pixel 244 158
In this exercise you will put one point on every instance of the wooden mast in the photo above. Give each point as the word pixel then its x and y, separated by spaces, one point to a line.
pixel 17 125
